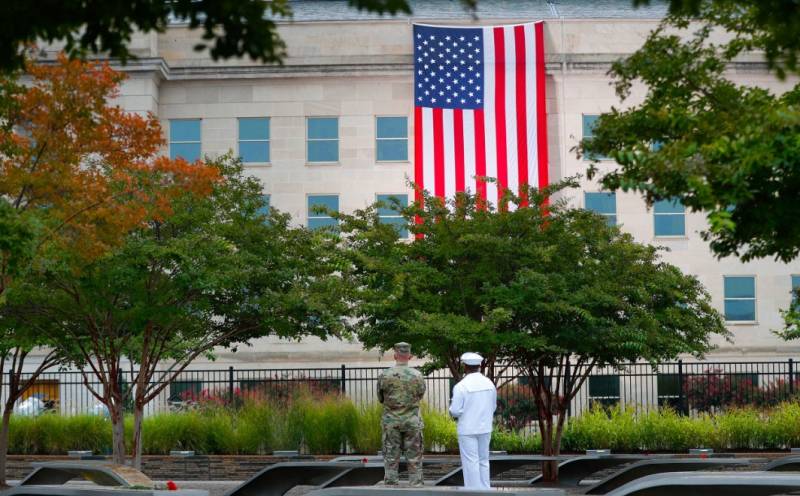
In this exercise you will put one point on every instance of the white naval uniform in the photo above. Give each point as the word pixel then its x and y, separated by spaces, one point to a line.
pixel 473 403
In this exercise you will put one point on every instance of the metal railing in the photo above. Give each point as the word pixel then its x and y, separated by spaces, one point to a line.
pixel 688 387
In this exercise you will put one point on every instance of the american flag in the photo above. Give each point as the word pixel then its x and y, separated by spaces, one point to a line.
pixel 479 109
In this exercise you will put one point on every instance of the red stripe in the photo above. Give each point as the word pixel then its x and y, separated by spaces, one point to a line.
pixel 541 111
pixel 522 124
pixel 438 152
pixel 419 180
pixel 480 155
pixel 458 146
pixel 500 110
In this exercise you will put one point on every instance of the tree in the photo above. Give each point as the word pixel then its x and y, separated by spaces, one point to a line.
pixel 725 149
pixel 216 272
pixel 537 287
pixel 76 174
pixel 230 29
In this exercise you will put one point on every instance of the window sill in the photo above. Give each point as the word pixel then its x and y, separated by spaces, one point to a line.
pixel 325 164
pixel 670 238
pixel 257 164
pixel 392 162
pixel 741 323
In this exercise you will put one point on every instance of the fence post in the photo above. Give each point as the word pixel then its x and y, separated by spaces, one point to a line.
pixel 230 385
pixel 566 381
pixel 791 377
pixel 681 398
pixel 344 379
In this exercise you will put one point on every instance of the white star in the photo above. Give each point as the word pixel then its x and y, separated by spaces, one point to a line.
pixel 441 44
pixel 419 72
pixel 425 42
pixel 470 68
pixel 420 98
pixel 441 67
pixel 469 56
pixel 462 100
pixel 419 85
pixel 419 35
pixel 476 38
pixel 463 75
pixel 478 100
pixel 433 86
pixel 447 74
pixel 455 44
pixel 441 80
pixel 425 66
pixel 477 74
pixel 419 47
pixel 461 62
pixel 427 92
pixel 455 94
pixel 462 88
pixel 471 94
pixel 426 80
pixel 447 61
pixel 419 59
pixel 478 62
pixel 470 82
pixel 447 50
pixel 433 100
pixel 448 100
pixel 477 50
pixel 478 88
pixel 433 37
pixel 469 45
pixel 447 87
pixel 461 38
pixel 441 93
pixel 462 51
pixel 441 55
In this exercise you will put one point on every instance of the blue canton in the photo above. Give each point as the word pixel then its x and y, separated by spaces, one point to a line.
pixel 448 67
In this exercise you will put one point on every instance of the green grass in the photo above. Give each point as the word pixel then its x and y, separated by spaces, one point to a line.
pixel 325 425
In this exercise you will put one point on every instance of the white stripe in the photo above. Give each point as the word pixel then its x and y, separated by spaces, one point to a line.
pixel 488 114
pixel 511 110
pixel 449 154
pixel 530 91
pixel 427 150
pixel 469 150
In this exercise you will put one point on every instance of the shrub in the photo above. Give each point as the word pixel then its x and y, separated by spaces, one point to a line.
pixel 327 424
pixel 516 407
pixel 368 433
pixel 516 442
pixel 439 432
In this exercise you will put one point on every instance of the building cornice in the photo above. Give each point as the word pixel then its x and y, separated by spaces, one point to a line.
pixel 556 64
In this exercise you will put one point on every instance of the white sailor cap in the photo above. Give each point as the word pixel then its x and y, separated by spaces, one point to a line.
pixel 470 358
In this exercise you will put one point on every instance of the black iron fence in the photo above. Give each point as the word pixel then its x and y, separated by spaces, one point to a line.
pixel 688 387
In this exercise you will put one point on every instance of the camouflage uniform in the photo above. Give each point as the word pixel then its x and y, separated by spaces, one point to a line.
pixel 400 389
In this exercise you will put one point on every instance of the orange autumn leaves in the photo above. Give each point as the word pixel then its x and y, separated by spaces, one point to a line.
pixel 92 171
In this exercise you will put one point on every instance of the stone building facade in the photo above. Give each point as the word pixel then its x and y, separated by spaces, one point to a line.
pixel 346 70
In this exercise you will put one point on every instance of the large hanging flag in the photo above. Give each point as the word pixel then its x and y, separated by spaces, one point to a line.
pixel 479 109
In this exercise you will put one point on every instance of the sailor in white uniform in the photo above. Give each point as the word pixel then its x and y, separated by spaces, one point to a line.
pixel 473 403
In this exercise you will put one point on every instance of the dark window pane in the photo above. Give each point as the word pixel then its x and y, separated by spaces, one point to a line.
pixel 389 202
pixel 254 128
pixel 323 128
pixel 188 151
pixel 254 151
pixel 668 385
pixel 670 225
pixel 399 223
pixel 668 207
pixel 602 203
pixel 393 149
pixel 264 208
pixel 795 287
pixel 740 287
pixel 588 125
pixel 320 222
pixel 740 310
pixel 184 390
pixel 330 202
pixel 392 127
pixel 323 151
pixel 604 385
pixel 184 130
pixel 611 220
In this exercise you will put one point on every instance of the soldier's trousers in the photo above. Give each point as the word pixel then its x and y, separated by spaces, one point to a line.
pixel 397 439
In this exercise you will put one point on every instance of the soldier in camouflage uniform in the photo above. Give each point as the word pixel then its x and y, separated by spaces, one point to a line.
pixel 400 389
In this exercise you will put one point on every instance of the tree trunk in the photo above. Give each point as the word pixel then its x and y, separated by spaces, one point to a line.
pixel 549 448
pixel 9 406
pixel 136 448
pixel 117 414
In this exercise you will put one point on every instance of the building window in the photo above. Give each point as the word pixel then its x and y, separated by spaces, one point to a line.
pixel 669 391
pixel 184 139
pixel 254 139
pixel 740 298
pixel 389 212
pixel 318 219
pixel 263 209
pixel 795 289
pixel 180 391
pixel 603 390
pixel 392 139
pixel 669 218
pixel 604 204
pixel 589 121
pixel 323 139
